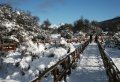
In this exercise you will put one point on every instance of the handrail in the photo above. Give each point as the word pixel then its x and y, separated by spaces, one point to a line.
pixel 54 41
pixel 67 63
pixel 111 69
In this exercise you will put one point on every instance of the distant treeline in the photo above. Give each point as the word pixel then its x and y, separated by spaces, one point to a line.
pixel 112 25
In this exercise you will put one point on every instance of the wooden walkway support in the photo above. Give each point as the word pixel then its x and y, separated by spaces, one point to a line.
pixel 111 69
pixel 66 63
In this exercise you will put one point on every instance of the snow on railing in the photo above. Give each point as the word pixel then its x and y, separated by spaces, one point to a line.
pixel 67 63
pixel 111 69
pixel 58 41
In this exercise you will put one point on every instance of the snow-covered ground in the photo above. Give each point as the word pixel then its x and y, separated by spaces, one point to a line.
pixel 90 67
pixel 21 66
pixel 115 55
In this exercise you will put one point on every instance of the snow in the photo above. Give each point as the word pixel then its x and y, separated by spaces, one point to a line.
pixel 55 36
pixel 76 45
pixel 11 72
pixel 25 62
pixel 59 52
pixel 8 24
pixel 9 60
pixel 29 67
pixel 63 41
pixel 53 26
pixel 8 81
pixel 18 12
pixel 12 57
pixel 72 48
pixel 13 38
pixel 30 47
pixel 115 55
pixel 90 68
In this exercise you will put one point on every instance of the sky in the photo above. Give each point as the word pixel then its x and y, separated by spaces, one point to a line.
pixel 68 11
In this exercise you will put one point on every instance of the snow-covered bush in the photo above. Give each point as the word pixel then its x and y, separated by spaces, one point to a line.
pixel 66 34
pixel 19 24
pixel 55 52
pixel 30 48
pixel 112 41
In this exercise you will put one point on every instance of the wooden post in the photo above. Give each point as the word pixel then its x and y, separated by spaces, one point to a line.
pixel 78 54
pixel 65 77
pixel 65 66
pixel 55 74
pixel 14 47
pixel 75 55
pixel 38 80
pixel 69 62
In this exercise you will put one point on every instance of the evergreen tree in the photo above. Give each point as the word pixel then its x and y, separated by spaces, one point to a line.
pixel 46 24
pixel 66 26
pixel 81 25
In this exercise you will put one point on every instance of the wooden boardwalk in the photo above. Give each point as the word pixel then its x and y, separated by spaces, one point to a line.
pixel 90 67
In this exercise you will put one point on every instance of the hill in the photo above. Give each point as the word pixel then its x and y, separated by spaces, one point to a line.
pixel 111 24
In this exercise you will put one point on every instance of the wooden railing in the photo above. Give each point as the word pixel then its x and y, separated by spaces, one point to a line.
pixel 58 41
pixel 111 69
pixel 67 63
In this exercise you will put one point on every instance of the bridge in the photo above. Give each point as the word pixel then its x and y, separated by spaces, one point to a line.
pixel 90 62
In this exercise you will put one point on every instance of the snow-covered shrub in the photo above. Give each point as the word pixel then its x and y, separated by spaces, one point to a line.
pixel 55 52
pixel 66 34
pixel 19 23
pixel 25 63
pixel 68 46
pixel 31 48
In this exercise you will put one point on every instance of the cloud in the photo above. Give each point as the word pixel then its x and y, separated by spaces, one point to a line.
pixel 50 3
pixel 13 2
pixel 42 5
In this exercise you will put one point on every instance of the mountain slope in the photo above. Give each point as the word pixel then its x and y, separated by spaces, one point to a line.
pixel 111 24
